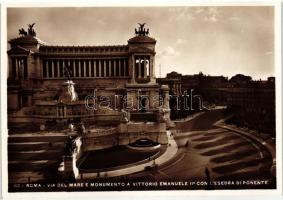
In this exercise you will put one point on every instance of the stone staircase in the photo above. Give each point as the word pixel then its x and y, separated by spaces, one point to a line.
pixel 34 157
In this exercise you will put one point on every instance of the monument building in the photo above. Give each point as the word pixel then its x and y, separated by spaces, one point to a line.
pixel 118 77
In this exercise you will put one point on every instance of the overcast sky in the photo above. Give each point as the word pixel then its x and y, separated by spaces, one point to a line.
pixel 214 40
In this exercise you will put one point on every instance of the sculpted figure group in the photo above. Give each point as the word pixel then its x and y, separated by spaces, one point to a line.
pixel 30 31
pixel 141 30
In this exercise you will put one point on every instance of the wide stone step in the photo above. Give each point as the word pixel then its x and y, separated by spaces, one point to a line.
pixel 34 138
pixel 40 165
pixel 32 146
pixel 27 177
pixel 35 155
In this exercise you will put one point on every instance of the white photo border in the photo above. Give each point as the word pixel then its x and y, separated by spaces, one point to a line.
pixel 257 193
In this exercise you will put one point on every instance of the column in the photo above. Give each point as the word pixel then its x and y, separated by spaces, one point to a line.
pixel 52 68
pixel 94 67
pixel 79 75
pixel 47 69
pixel 90 68
pixel 134 69
pixel 99 68
pixel 119 67
pixel 74 68
pixel 11 68
pixel 115 69
pixel 69 66
pixel 40 69
pixel 17 68
pixel 109 67
pixel 125 67
pixel 139 66
pixel 58 68
pixel 151 70
pixel 63 66
pixel 84 65
pixel 145 68
pixel 104 68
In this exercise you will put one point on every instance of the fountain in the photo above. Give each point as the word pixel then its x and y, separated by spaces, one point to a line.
pixel 72 151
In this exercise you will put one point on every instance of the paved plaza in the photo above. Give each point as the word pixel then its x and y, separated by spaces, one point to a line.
pixel 228 155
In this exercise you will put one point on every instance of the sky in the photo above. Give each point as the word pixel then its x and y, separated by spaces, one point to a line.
pixel 225 40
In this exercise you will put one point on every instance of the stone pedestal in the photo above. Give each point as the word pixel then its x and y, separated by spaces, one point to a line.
pixel 123 128
pixel 166 107
pixel 70 170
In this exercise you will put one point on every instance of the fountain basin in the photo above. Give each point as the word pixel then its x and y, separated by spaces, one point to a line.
pixel 115 158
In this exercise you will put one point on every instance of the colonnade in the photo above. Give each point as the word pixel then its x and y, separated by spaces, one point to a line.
pixel 83 68
pixel 142 65
pixel 19 68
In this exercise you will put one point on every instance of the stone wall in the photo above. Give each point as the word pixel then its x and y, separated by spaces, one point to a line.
pixel 125 134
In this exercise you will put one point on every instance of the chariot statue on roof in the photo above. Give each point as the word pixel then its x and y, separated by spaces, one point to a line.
pixel 31 31
pixel 141 30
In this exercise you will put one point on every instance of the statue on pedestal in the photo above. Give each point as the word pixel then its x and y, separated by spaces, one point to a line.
pixel 68 94
pixel 124 116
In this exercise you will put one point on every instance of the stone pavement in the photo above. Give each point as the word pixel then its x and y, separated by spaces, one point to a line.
pixel 263 139
pixel 227 155
pixel 169 154
pixel 189 118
